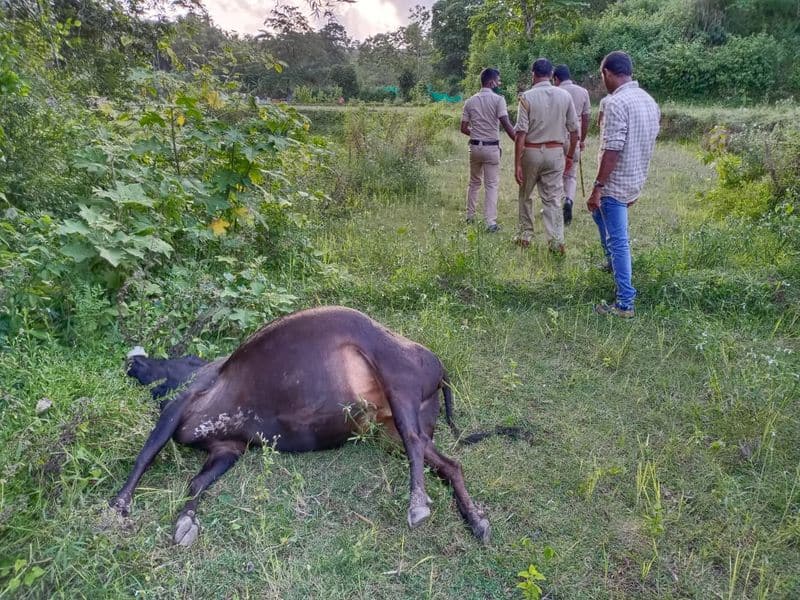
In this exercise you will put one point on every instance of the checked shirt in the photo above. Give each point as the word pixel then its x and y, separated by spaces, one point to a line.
pixel 630 126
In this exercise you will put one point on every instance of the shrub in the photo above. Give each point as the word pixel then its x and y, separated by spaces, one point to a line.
pixel 377 94
pixel 385 152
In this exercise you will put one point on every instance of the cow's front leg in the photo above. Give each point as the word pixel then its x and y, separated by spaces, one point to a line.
pixel 167 424
pixel 222 456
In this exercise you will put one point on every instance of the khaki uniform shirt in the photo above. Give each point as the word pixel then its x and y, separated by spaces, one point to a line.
pixel 483 112
pixel 543 113
pixel 630 126
pixel 580 99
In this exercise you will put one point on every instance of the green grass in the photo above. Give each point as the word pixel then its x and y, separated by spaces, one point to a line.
pixel 665 460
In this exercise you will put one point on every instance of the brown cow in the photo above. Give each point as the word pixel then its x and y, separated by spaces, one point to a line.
pixel 310 381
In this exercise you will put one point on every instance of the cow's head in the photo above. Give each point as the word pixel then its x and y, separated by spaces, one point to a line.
pixel 142 368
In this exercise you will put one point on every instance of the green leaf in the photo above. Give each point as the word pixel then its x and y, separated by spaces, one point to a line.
pixel 153 244
pixel 152 118
pixel 13 584
pixel 111 255
pixel 33 575
pixel 126 194
pixel 78 251
pixel 69 226
pixel 92 160
pixel 98 220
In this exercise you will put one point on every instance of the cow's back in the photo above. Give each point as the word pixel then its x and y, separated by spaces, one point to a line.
pixel 309 380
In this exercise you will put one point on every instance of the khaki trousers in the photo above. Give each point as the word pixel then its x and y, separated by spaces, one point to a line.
pixel 571 176
pixel 544 168
pixel 484 160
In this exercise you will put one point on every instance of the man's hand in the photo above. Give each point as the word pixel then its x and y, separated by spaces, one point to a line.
pixel 568 162
pixel 519 174
pixel 593 202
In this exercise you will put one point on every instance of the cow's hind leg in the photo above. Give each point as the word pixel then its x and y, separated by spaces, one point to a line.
pixel 450 470
pixel 221 457
pixel 406 414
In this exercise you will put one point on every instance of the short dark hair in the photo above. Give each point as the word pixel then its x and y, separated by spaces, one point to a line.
pixel 488 74
pixel 542 67
pixel 618 63
pixel 562 72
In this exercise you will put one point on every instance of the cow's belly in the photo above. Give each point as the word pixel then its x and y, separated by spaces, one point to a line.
pixel 304 410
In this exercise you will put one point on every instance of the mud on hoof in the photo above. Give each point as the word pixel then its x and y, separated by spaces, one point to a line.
pixel 482 530
pixel 187 528
pixel 121 505
pixel 418 515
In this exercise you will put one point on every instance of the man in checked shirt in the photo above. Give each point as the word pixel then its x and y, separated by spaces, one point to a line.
pixel 630 126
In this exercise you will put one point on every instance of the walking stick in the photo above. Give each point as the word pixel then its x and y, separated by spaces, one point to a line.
pixel 580 168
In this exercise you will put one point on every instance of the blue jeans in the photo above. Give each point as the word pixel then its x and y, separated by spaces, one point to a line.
pixel 612 223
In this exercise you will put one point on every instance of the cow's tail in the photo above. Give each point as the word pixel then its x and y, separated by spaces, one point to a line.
pixel 447 392
pixel 514 433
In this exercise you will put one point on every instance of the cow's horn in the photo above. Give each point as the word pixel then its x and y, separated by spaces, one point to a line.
pixel 137 351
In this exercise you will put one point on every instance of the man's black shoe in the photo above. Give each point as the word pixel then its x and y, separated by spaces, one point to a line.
pixel 567 211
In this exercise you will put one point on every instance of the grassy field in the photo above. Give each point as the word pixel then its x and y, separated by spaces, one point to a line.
pixel 666 452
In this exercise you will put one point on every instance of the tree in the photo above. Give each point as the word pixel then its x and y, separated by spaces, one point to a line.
pixel 526 17
pixel 346 78
pixel 450 35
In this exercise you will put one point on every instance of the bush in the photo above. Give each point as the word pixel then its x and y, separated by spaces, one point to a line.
pixel 346 78
pixel 377 94
pixel 303 94
pixel 385 152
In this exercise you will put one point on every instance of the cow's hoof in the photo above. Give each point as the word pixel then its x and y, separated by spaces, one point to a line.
pixel 482 530
pixel 417 515
pixel 121 505
pixel 187 528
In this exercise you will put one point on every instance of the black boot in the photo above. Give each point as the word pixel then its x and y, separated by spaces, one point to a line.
pixel 567 211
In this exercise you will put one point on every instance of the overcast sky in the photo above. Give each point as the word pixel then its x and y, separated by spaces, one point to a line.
pixel 361 19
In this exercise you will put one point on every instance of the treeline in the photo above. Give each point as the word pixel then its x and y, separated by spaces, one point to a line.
pixel 735 51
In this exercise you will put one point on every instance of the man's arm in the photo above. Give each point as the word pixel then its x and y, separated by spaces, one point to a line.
pixel 608 162
pixel 520 133
pixel 465 127
pixel 519 148
pixel 572 127
pixel 615 136
pixel 573 142
pixel 506 123
pixel 584 129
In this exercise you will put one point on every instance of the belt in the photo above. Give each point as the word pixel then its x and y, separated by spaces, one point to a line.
pixel 544 145
pixel 482 143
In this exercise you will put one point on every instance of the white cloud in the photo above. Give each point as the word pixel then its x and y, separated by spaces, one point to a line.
pixel 241 16
pixel 361 19
pixel 368 17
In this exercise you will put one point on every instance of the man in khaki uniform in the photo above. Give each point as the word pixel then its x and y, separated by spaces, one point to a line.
pixel 580 99
pixel 544 112
pixel 482 112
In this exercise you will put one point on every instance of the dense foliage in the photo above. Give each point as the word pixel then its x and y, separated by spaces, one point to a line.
pixel 119 198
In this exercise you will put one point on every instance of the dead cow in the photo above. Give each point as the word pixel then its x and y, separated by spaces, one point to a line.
pixel 309 381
